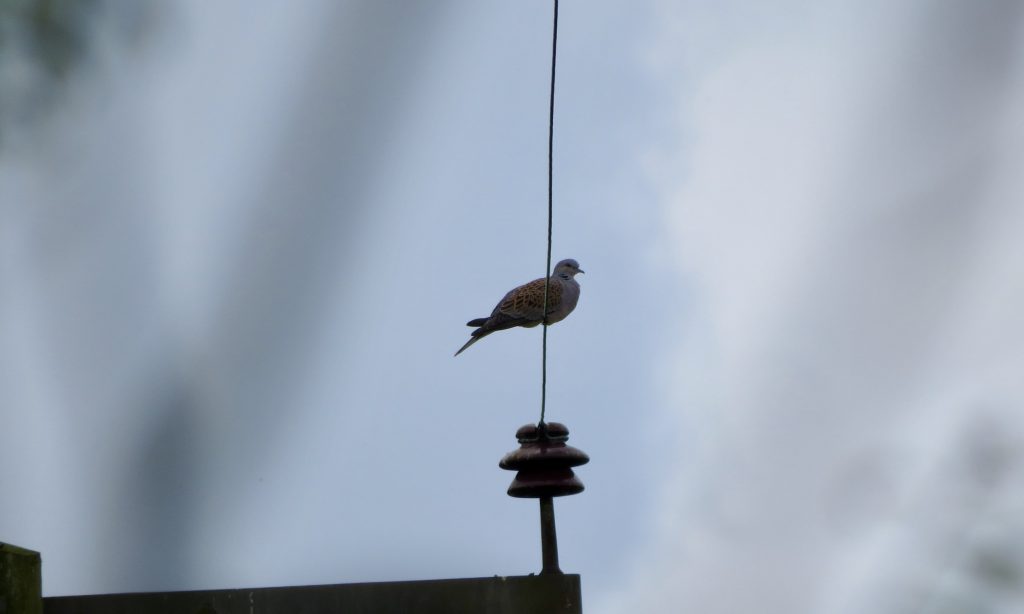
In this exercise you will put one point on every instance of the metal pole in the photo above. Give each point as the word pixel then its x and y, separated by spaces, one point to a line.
pixel 548 539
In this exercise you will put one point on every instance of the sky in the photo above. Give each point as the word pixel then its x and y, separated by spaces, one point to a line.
pixel 238 250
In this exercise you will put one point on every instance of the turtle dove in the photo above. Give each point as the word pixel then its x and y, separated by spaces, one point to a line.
pixel 524 306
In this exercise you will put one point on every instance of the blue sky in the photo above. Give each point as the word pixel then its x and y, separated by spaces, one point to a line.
pixel 238 256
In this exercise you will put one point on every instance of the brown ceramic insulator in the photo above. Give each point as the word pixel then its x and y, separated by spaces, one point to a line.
pixel 545 483
pixel 544 462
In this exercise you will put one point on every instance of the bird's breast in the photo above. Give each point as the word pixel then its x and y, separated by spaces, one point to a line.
pixel 570 296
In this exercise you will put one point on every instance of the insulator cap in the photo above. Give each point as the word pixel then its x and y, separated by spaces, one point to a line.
pixel 544 462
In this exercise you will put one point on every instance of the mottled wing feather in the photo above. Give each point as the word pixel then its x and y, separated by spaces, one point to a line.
pixel 527 301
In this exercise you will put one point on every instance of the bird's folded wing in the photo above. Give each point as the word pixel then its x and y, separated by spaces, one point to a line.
pixel 527 301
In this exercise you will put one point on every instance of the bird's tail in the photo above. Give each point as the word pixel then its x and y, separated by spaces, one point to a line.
pixel 476 322
pixel 475 336
pixel 471 341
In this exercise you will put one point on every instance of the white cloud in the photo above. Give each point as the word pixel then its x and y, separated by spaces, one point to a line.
pixel 845 223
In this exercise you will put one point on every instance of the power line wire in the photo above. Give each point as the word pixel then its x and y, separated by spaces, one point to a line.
pixel 547 269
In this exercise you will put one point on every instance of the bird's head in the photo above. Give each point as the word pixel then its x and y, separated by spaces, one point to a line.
pixel 567 268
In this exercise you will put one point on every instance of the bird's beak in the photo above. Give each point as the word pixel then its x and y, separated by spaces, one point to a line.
pixel 580 271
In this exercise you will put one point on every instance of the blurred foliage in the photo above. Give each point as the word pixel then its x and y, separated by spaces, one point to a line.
pixel 40 43
pixel 44 42
pixel 53 33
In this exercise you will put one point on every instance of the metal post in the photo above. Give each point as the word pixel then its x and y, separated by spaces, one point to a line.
pixel 548 539
pixel 20 581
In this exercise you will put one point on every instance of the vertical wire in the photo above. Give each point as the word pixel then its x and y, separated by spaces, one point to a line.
pixel 547 269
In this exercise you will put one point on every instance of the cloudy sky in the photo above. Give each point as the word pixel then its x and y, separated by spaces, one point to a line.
pixel 238 249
